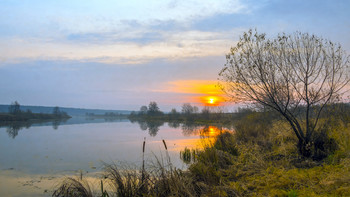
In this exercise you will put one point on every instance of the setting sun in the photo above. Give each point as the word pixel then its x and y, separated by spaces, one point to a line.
pixel 211 101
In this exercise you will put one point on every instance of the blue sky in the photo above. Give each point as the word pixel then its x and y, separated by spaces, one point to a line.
pixel 123 54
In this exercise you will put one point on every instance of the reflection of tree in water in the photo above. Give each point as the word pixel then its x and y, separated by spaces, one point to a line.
pixel 13 131
pixel 153 130
pixel 143 125
pixel 190 128
pixel 174 124
pixel 13 128
pixel 57 123
pixel 151 125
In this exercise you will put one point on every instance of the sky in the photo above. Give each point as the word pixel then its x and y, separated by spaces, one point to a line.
pixel 114 54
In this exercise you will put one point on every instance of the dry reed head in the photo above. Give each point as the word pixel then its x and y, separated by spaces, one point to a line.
pixel 166 148
pixel 144 144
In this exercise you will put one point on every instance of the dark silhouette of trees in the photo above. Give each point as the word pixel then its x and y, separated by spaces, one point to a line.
pixel 205 112
pixel 174 114
pixel 187 108
pixel 61 114
pixel 173 111
pixel 143 110
pixel 153 109
pixel 189 111
pixel 296 75
pixel 15 108
pixel 56 111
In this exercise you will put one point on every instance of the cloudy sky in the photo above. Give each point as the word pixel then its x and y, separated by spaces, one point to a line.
pixel 114 54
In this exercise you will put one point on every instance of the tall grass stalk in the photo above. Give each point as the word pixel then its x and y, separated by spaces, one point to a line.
pixel 167 153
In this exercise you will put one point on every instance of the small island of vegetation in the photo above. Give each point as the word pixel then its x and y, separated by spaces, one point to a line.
pixel 15 114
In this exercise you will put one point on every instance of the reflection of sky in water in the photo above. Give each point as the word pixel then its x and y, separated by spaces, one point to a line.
pixel 83 146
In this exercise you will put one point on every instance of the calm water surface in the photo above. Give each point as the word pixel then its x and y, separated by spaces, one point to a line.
pixel 31 159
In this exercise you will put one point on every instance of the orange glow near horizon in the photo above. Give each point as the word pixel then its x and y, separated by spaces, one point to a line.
pixel 193 87
pixel 212 100
pixel 205 92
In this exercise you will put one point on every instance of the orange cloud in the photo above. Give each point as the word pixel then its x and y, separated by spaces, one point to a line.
pixel 194 86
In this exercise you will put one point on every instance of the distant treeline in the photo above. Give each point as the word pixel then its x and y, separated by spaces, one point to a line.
pixel 16 114
pixel 69 111
pixel 207 115
pixel 188 113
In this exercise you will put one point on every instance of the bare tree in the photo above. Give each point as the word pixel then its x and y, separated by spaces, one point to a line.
pixel 296 75
pixel 187 108
pixel 56 111
pixel 15 108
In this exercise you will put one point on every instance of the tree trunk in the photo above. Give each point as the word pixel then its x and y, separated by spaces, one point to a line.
pixel 305 148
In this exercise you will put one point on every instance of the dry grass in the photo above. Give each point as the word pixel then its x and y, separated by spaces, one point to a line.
pixel 72 187
pixel 158 179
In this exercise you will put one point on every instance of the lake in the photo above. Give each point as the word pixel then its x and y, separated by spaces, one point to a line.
pixel 35 157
